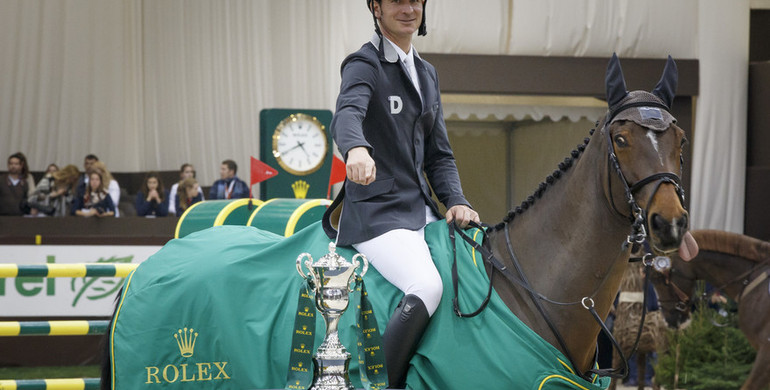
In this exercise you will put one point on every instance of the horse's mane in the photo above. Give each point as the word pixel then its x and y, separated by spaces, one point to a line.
pixel 550 179
pixel 732 244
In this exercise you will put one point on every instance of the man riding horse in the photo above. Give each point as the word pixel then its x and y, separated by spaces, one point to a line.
pixel 390 128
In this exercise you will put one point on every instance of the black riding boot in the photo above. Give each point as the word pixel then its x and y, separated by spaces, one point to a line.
pixel 401 337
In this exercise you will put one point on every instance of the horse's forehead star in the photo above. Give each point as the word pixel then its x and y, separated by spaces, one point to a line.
pixel 654 141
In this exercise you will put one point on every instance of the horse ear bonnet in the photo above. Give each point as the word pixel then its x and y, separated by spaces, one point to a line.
pixel 649 110
pixel 615 82
pixel 666 88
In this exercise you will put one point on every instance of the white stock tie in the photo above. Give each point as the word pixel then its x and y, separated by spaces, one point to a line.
pixel 409 64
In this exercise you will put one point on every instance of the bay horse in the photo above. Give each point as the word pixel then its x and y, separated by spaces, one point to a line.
pixel 570 238
pixel 739 266
pixel 561 254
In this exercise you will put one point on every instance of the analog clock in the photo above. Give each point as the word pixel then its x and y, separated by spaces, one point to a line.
pixel 299 144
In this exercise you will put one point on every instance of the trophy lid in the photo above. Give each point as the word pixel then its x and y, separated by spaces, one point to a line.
pixel 332 259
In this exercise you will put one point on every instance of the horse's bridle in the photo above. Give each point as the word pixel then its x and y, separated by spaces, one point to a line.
pixel 684 299
pixel 638 217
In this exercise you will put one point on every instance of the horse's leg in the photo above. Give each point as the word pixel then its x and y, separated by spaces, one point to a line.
pixel 759 377
pixel 641 369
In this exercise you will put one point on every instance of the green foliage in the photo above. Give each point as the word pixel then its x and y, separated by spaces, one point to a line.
pixel 710 357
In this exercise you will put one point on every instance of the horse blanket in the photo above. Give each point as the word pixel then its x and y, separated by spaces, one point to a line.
pixel 216 310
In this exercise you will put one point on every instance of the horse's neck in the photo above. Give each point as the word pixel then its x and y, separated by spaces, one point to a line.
pixel 723 271
pixel 569 247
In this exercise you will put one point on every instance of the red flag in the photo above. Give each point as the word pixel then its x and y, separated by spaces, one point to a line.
pixel 260 172
pixel 337 175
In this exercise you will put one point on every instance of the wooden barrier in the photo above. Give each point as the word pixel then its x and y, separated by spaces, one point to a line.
pixel 66 270
pixel 52 328
pixel 51 384
pixel 57 328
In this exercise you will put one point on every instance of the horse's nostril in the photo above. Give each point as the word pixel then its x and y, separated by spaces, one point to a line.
pixel 683 222
pixel 658 222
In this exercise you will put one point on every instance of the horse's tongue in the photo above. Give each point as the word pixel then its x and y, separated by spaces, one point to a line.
pixel 689 248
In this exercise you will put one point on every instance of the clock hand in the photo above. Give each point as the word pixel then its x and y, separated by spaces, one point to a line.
pixel 302 146
pixel 299 145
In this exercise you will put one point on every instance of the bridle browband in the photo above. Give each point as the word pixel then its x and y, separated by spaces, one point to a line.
pixel 638 237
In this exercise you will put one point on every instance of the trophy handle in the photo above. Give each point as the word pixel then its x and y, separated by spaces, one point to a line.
pixel 365 260
pixel 299 264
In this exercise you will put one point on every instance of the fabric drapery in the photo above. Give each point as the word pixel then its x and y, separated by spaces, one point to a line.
pixel 149 85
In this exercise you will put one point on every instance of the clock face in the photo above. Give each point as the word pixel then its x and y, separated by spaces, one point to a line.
pixel 299 144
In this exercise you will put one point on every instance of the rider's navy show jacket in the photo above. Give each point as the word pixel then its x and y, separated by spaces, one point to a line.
pixel 379 108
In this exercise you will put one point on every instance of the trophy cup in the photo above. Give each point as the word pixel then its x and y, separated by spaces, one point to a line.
pixel 330 281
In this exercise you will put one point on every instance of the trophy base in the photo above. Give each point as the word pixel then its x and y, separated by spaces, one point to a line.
pixel 331 372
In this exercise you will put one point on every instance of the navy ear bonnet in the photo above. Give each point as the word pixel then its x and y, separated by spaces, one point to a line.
pixel 649 110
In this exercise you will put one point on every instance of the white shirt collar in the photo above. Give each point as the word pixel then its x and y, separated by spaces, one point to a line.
pixel 401 54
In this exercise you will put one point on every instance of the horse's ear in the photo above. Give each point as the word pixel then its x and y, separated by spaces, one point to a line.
pixel 666 88
pixel 614 82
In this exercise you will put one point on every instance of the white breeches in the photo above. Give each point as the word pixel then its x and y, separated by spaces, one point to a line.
pixel 403 258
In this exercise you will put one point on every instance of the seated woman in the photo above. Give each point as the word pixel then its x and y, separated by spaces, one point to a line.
pixel 152 198
pixel 112 186
pixel 43 194
pixel 55 192
pixel 187 195
pixel 96 201
pixel 187 170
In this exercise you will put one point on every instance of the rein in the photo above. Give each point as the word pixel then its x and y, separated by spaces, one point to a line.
pixel 744 278
pixel 638 237
pixel 521 280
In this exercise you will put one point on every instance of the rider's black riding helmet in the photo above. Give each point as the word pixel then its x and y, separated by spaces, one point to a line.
pixel 422 31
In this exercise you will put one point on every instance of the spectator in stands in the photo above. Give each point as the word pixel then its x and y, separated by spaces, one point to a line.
pixel 15 187
pixel 187 195
pixel 88 161
pixel 186 171
pixel 66 181
pixel 25 173
pixel 97 200
pixel 229 186
pixel 152 198
pixel 40 202
pixel 112 185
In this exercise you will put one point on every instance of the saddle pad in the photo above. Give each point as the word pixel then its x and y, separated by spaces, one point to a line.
pixel 215 310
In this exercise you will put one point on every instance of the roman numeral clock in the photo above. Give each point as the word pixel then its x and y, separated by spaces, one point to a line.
pixel 298 144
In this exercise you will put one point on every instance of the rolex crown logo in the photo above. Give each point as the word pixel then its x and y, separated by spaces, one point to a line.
pixel 185 339
pixel 300 188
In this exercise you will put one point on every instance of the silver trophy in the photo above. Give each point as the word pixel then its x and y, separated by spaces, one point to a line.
pixel 331 281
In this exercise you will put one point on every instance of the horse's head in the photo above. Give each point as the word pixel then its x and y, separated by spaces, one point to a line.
pixel 645 158
pixel 675 285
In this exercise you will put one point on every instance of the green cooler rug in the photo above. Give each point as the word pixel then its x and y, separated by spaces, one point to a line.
pixel 216 310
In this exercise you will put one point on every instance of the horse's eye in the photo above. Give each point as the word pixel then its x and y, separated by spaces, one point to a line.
pixel 621 141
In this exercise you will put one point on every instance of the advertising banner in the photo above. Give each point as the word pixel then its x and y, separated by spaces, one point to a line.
pixel 64 297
